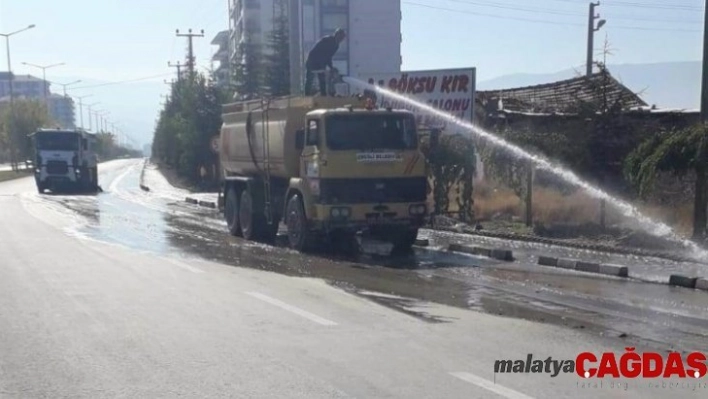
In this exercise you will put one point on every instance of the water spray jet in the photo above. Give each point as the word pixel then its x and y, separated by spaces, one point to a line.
pixel 628 210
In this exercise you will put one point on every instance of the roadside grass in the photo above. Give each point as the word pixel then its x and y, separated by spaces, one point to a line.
pixel 6 175
pixel 498 204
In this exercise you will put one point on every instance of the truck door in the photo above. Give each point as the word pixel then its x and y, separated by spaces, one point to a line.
pixel 310 153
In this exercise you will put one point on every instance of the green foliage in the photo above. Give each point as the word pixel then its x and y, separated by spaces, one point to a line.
pixel 678 152
pixel 29 116
pixel 249 69
pixel 593 142
pixel 452 166
pixel 190 119
pixel 277 75
pixel 107 148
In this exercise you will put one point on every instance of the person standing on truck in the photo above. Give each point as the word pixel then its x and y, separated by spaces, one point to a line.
pixel 320 58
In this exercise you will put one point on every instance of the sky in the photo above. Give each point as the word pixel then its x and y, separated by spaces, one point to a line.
pixel 114 41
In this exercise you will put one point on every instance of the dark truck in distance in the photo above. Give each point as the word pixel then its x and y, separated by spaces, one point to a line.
pixel 65 160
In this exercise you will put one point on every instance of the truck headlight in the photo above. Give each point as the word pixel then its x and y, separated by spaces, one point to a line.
pixel 417 209
pixel 340 212
pixel 77 171
pixel 315 187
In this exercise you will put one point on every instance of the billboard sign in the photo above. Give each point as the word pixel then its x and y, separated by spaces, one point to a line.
pixel 449 90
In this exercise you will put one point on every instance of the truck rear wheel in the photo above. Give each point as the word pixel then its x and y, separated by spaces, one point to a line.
pixel 94 178
pixel 253 223
pixel 299 236
pixel 231 213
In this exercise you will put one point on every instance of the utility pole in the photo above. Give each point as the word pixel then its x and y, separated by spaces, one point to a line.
pixel 591 48
pixel 81 108
pixel 190 41
pixel 230 44
pixel 65 85
pixel 178 66
pixel 704 89
pixel 44 76
pixel 89 115
pixel 591 35
pixel 11 124
pixel 700 213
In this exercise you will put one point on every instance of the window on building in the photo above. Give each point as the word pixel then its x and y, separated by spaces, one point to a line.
pixel 335 3
pixel 253 25
pixel 332 21
pixel 342 66
pixel 252 3
pixel 308 24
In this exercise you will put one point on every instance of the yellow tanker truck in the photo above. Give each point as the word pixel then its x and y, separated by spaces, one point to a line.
pixel 327 167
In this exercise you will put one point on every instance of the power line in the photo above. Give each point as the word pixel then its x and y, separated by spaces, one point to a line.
pixel 542 10
pixel 674 7
pixel 541 20
pixel 515 8
pixel 123 81
pixel 492 15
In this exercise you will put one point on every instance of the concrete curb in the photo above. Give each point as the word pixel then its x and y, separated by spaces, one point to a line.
pixel 617 271
pixel 702 284
pixel 567 244
pixel 142 177
pixel 586 267
pixel 499 254
pixel 208 204
pixel 422 243
pixel 569 264
pixel 202 203
pixel 682 281
pixel 614 270
pixel 548 261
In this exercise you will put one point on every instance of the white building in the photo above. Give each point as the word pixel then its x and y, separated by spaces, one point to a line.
pixel 221 58
pixel 252 18
pixel 373 44
pixel 61 109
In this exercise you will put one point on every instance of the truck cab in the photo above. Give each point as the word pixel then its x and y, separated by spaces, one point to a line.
pixel 65 160
pixel 363 172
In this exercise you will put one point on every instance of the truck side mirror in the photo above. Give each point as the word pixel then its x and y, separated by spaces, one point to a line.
pixel 300 139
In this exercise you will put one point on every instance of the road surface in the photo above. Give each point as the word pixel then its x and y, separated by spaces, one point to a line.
pixel 137 294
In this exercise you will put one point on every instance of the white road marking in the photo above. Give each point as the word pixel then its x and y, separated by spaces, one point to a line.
pixel 184 266
pixel 292 309
pixel 490 386
pixel 114 184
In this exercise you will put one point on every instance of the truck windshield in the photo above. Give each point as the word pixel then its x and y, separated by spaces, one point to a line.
pixel 57 141
pixel 368 131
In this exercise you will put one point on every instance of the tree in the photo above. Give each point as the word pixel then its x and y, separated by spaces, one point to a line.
pixel 248 70
pixel 185 127
pixel 277 76
pixel 452 164
pixel 29 116
pixel 679 152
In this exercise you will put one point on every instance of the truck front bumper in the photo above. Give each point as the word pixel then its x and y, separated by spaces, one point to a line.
pixel 368 216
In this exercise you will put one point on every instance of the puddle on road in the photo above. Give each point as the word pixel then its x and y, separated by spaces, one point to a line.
pixel 139 221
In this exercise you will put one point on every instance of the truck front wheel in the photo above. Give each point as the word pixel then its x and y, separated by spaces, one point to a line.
pixel 231 212
pixel 403 241
pixel 299 236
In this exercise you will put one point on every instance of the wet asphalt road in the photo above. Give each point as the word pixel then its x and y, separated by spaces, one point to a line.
pixel 129 286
